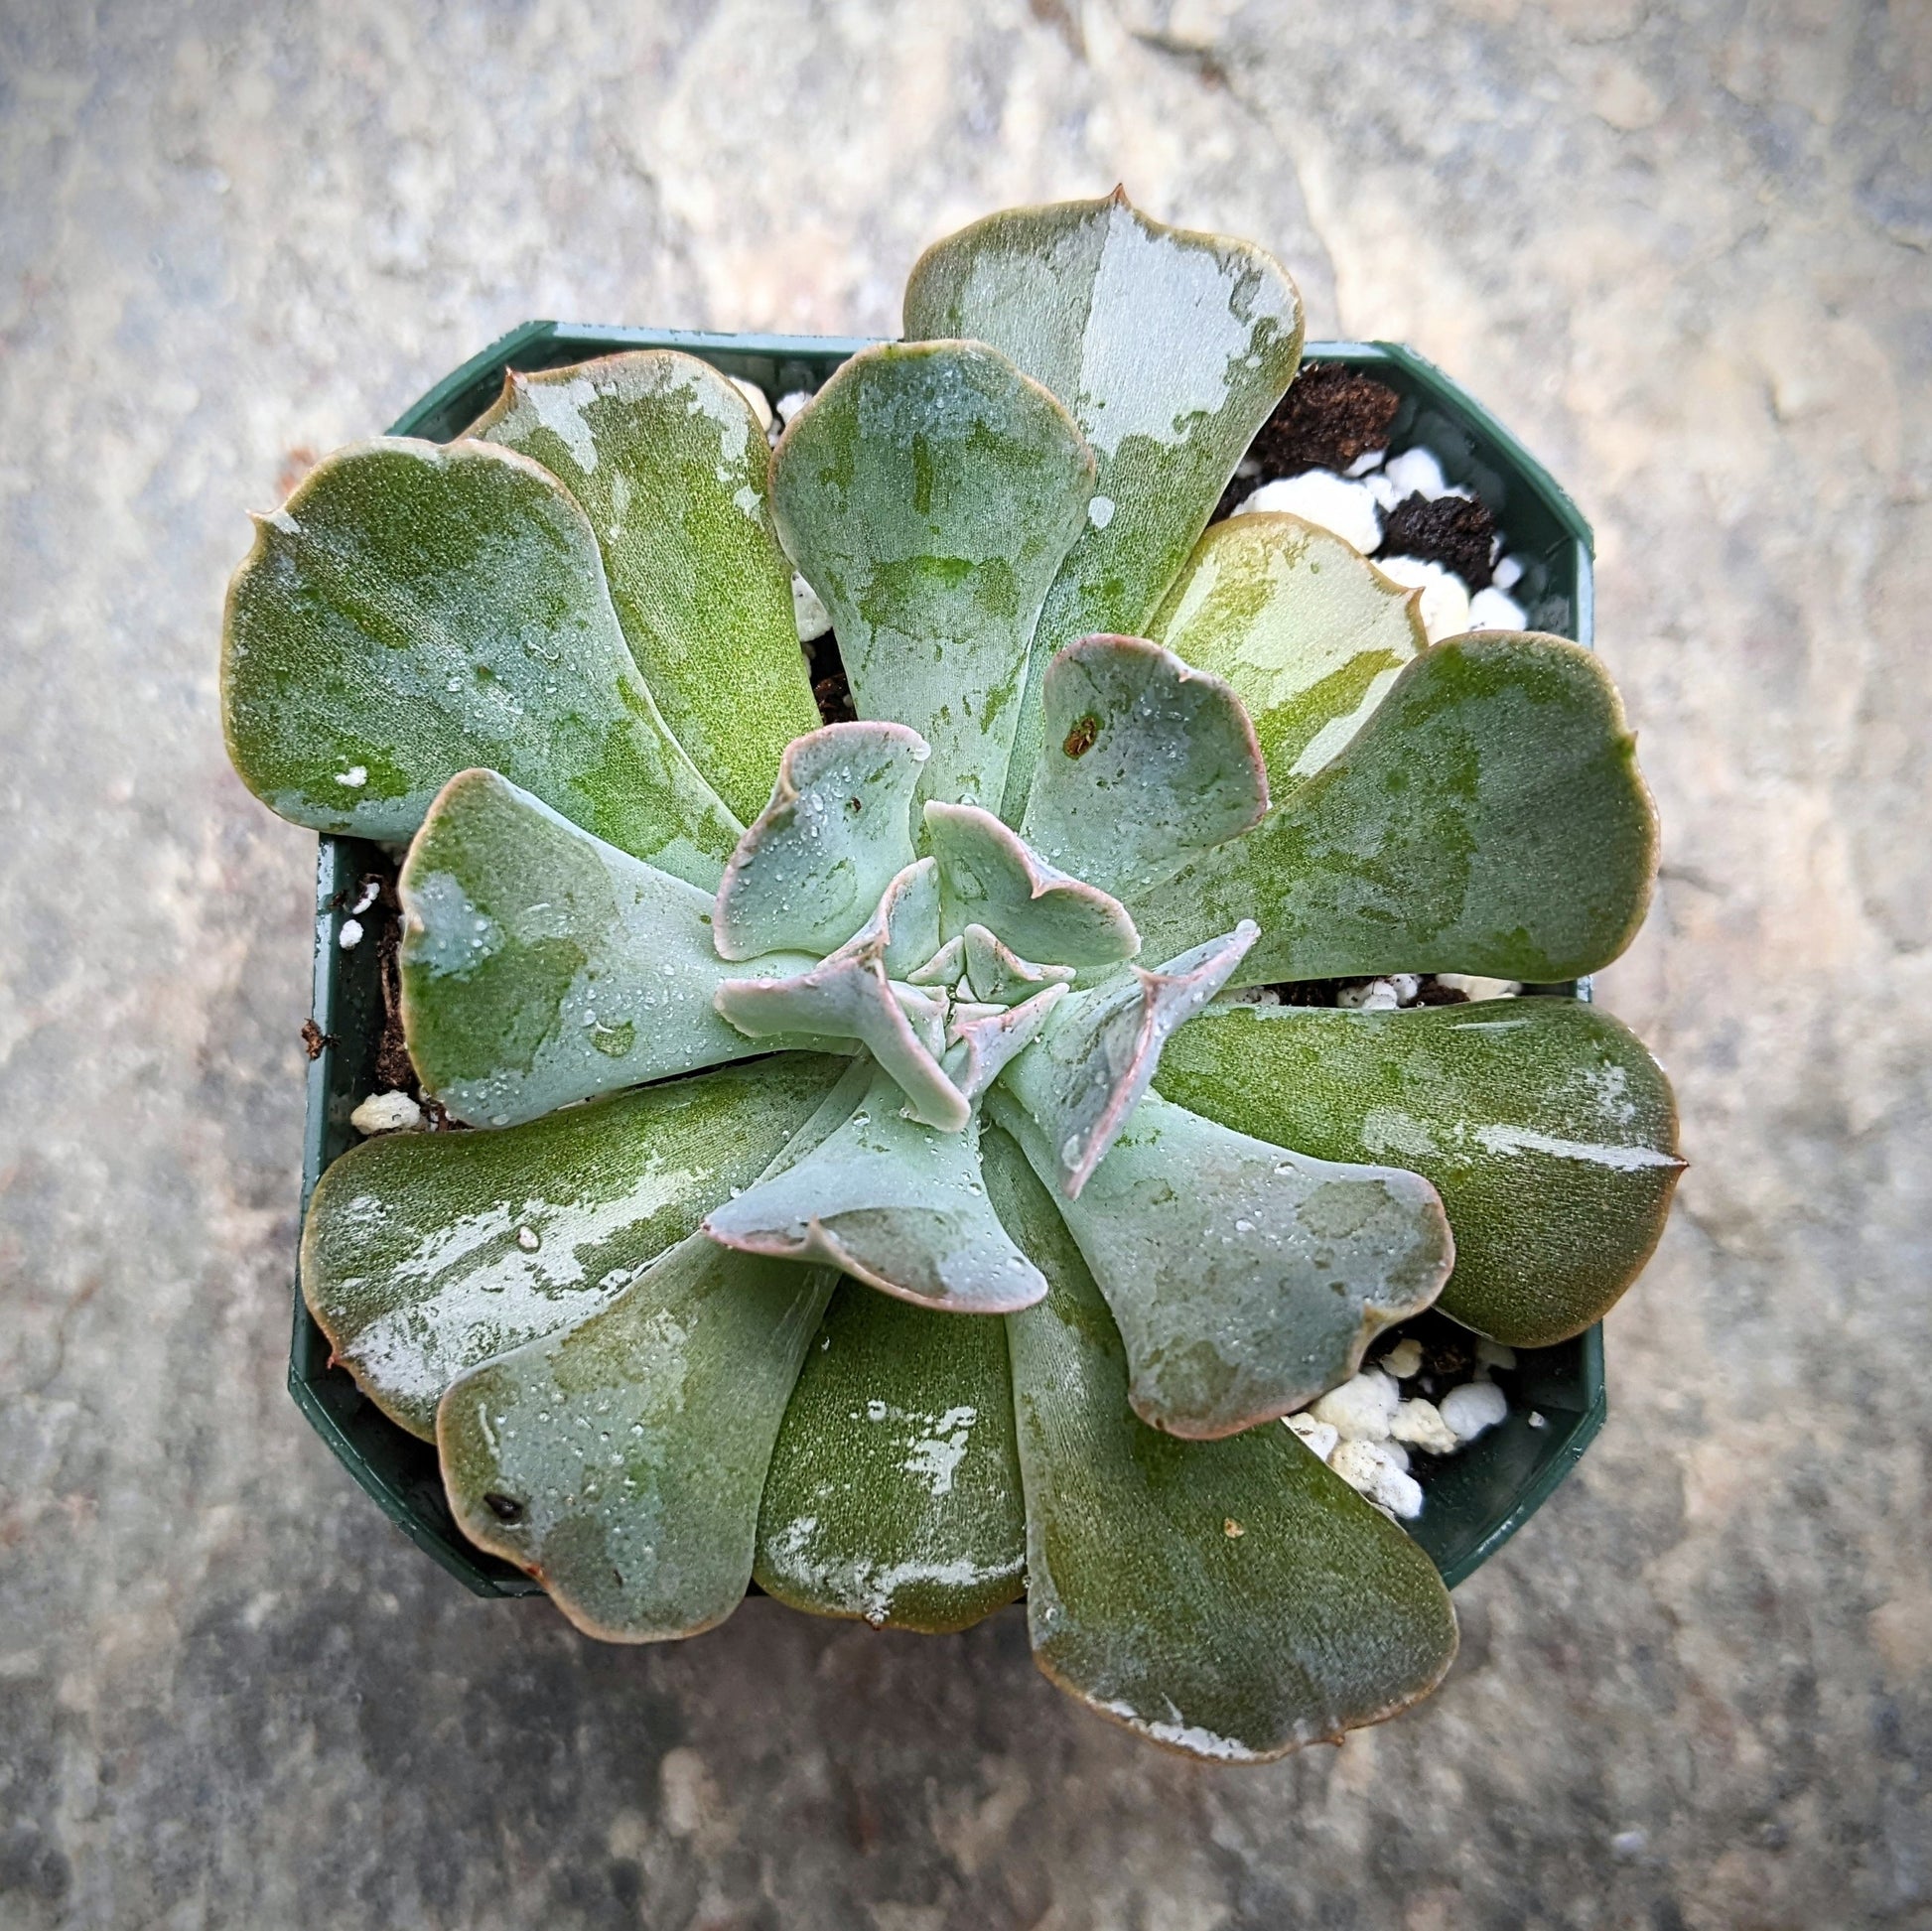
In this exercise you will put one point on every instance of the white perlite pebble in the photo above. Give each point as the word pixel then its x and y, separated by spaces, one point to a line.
pixel 1490 610
pixel 1251 995
pixel 1507 574
pixel 1445 596
pixel 1407 985
pixel 755 396
pixel 1419 1423
pixel 1403 1360
pixel 1368 461
pixel 1474 986
pixel 387 1113
pixel 790 403
pixel 1322 496
pixel 1371 1471
pixel 812 618
pixel 1473 1408
pixel 1378 996
pixel 1320 1438
pixel 1362 1408
pixel 1415 473
pixel 371 892
pixel 350 937
pixel 1493 1355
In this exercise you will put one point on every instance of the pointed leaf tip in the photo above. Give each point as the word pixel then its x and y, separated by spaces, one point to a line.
pixel 1100 1055
pixel 855 993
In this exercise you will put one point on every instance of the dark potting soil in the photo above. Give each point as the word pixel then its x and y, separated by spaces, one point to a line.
pixel 381 923
pixel 1330 416
pixel 831 690
pixel 1457 532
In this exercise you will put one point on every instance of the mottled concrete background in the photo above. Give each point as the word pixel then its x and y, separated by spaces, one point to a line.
pixel 1684 249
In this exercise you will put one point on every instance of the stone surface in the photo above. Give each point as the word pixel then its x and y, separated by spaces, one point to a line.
pixel 1682 248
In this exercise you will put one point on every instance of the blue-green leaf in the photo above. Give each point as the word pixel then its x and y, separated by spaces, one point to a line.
pixel 1548 1130
pixel 425 1254
pixel 1246 1278
pixel 542 966
pixel 669 464
pixel 1170 347
pixel 895 1490
pixel 1489 818
pixel 928 493
pixel 1230 1599
pixel 413 612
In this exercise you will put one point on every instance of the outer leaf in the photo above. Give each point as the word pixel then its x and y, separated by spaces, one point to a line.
pixel 1308 631
pixel 621 1460
pixel 1246 1280
pixel 1146 764
pixel 928 495
pixel 856 994
pixel 989 876
pixel 1100 1051
pixel 541 966
pixel 895 1488
pixel 1231 1599
pixel 424 1254
pixel 1489 818
pixel 669 463
pixel 811 869
pixel 412 611
pixel 1170 347
pixel 1548 1130
pixel 899 1204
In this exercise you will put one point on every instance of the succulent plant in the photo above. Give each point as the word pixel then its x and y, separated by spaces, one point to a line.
pixel 853 1207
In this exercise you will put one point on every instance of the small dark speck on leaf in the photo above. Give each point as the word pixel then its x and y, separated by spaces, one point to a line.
pixel 1081 739
pixel 853 807
pixel 505 1508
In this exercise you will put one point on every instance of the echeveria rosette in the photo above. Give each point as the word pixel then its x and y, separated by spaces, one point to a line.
pixel 879 1058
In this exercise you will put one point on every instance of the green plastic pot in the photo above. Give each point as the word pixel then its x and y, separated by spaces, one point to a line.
pixel 1477 1499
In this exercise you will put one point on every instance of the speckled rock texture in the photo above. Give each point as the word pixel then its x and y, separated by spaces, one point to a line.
pixel 1684 249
